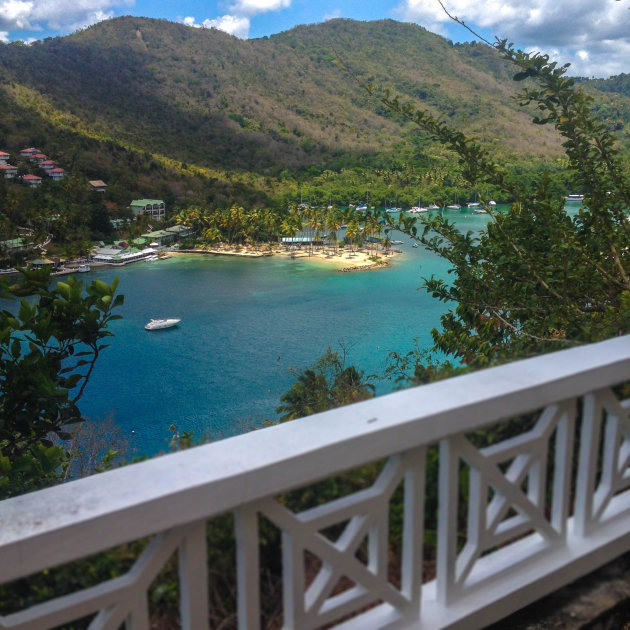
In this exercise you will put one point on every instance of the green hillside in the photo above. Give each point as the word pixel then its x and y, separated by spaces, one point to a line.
pixel 158 108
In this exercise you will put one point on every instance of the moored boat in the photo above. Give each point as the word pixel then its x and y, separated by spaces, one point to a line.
pixel 159 324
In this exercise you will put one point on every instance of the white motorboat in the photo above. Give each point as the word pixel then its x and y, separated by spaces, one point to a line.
pixel 159 324
pixel 579 198
pixel 84 268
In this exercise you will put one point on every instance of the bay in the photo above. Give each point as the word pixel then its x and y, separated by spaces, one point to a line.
pixel 247 326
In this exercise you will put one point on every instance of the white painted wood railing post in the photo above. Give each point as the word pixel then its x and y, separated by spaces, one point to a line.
pixel 413 533
pixel 247 568
pixel 587 465
pixel 193 579
pixel 563 461
pixel 448 496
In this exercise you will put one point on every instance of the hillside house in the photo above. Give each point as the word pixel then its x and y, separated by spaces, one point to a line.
pixel 98 185
pixel 4 157
pixel 56 173
pixel 32 180
pixel 27 153
pixel 8 171
pixel 154 208
pixel 47 165
pixel 38 158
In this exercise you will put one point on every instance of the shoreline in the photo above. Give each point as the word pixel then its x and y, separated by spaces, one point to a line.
pixel 345 262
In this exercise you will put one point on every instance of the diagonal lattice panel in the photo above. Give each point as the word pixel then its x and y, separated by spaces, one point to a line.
pixel 604 463
pixel 363 517
pixel 119 601
pixel 500 508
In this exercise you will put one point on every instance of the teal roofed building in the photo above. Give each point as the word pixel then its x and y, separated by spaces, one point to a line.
pixel 154 208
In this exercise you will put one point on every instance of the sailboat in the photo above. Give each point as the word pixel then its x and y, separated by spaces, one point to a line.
pixel 454 205
pixel 475 203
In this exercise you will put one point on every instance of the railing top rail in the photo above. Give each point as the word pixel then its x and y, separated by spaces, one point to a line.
pixel 70 521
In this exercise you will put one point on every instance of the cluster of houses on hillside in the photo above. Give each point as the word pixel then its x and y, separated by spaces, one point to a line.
pixel 35 157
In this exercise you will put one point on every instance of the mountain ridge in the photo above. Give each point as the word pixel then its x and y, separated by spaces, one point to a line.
pixel 272 107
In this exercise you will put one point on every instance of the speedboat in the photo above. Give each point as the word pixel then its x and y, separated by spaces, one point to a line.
pixel 84 268
pixel 574 198
pixel 159 324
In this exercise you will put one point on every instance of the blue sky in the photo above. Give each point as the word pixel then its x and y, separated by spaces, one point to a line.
pixel 593 35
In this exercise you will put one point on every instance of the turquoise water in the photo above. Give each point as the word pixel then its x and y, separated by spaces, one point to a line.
pixel 218 373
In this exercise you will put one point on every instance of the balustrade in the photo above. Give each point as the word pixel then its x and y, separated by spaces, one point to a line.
pixel 518 516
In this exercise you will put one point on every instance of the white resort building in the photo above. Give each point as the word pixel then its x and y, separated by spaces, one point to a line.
pixel 154 208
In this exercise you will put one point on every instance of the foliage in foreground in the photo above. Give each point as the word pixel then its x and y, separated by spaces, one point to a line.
pixel 538 279
pixel 48 348
pixel 325 385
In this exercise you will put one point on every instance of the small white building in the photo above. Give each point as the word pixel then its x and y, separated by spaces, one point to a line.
pixel 32 180
pixel 27 153
pixel 8 171
pixel 4 157
pixel 47 165
pixel 56 173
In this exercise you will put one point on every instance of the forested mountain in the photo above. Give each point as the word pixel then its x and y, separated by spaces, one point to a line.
pixel 160 108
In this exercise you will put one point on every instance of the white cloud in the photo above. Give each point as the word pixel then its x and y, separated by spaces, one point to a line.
pixel 593 35
pixel 255 7
pixel 4 37
pixel 237 22
pixel 332 15
pixel 58 15
pixel 232 24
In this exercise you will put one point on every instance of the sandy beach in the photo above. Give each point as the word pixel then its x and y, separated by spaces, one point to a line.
pixel 342 260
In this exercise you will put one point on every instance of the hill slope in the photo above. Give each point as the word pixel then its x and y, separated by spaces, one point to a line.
pixel 166 96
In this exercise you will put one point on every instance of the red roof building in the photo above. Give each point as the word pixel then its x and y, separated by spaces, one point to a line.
pixel 47 165
pixel 32 180
pixel 29 152
pixel 4 157
pixel 8 171
pixel 37 157
pixel 56 173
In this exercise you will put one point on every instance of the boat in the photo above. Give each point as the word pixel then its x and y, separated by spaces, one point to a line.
pixel 160 324
pixel 492 203
pixel 480 211
pixel 415 245
pixel 454 206
pixel 475 203
pixel 84 268
pixel 574 198
pixel 433 206
pixel 397 242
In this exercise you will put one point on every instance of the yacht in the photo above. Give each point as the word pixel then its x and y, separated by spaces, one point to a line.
pixel 159 324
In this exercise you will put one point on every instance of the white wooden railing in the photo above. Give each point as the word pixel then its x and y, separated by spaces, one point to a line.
pixel 540 511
